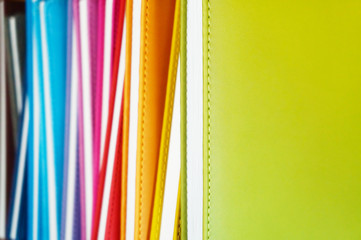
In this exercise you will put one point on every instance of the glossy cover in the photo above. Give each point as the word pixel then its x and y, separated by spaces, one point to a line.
pixel 282 119
pixel 156 36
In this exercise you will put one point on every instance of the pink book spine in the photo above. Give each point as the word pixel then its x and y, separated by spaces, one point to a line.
pixel 98 89
pixel 95 101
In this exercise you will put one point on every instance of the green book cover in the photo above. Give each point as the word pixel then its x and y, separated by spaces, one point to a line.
pixel 282 113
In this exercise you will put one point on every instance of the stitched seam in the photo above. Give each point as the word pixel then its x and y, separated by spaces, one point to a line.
pixel 179 227
pixel 186 116
pixel 208 117
pixel 169 123
pixel 143 116
pixel 185 10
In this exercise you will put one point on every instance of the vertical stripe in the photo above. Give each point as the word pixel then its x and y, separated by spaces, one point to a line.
pixel 133 119
pixel 49 127
pixel 194 144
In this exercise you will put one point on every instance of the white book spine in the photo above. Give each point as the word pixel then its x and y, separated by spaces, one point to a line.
pixel 194 142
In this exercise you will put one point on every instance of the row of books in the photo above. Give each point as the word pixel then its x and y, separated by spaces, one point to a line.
pixel 70 119
pixel 180 119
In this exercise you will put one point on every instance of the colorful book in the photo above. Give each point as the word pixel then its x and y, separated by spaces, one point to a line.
pixel 107 212
pixel 279 87
pixel 46 71
pixel 155 46
pixel 168 172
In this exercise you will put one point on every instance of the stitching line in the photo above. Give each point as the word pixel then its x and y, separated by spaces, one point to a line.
pixel 186 116
pixel 179 227
pixel 143 116
pixel 208 117
pixel 169 123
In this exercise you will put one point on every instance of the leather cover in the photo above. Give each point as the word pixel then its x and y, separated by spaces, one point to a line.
pixel 166 128
pixel 282 119
pixel 156 37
